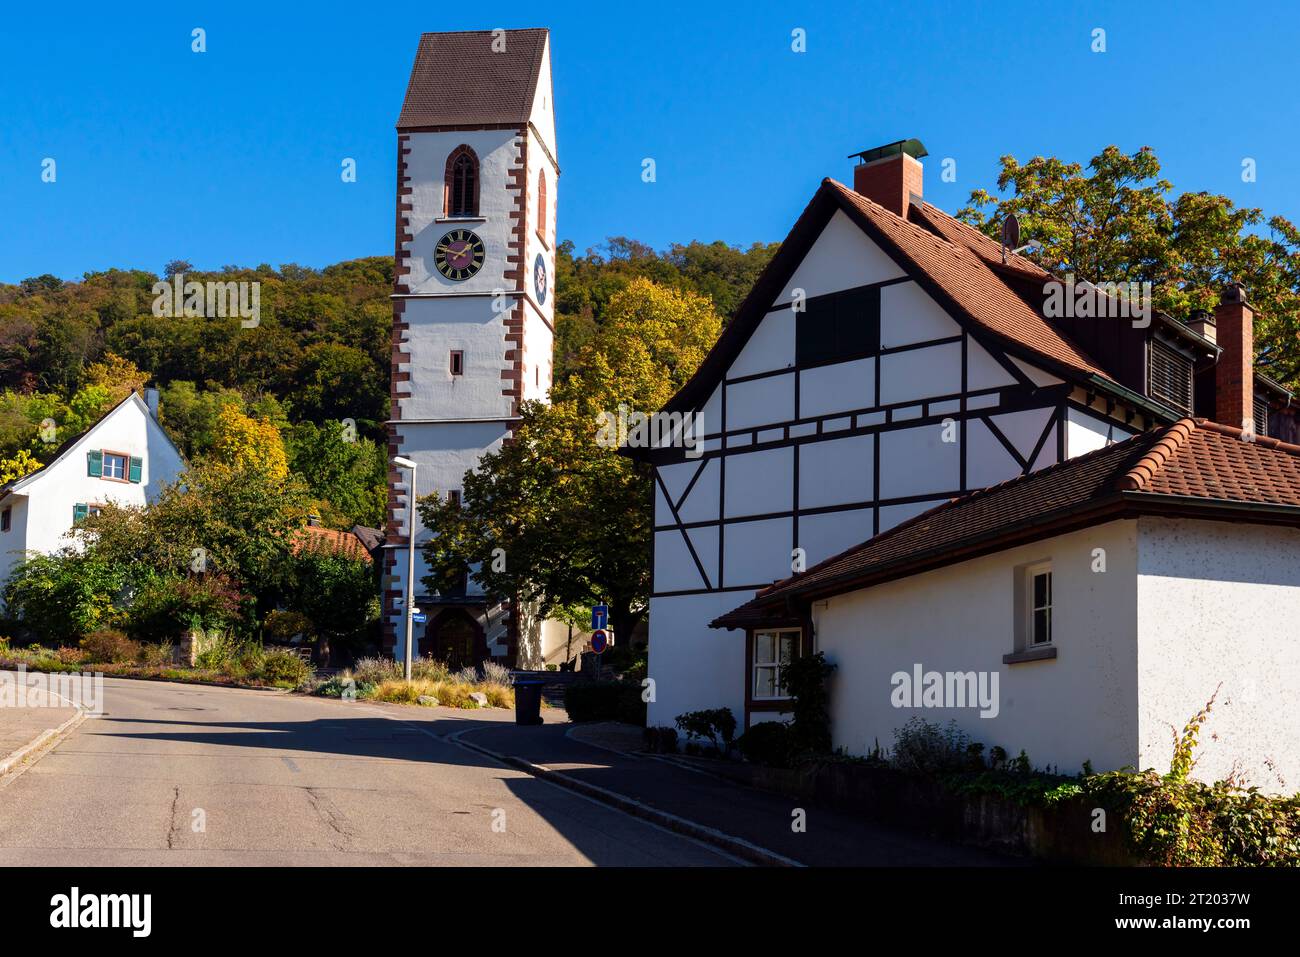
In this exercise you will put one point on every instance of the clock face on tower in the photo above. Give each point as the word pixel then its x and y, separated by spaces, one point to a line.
pixel 540 279
pixel 459 254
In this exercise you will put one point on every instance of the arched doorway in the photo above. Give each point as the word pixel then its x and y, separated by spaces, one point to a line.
pixel 455 639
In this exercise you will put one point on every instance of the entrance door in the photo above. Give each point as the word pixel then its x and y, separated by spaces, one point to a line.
pixel 456 639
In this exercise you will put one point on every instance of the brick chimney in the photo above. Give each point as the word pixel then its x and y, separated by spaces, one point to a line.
pixel 1234 376
pixel 890 175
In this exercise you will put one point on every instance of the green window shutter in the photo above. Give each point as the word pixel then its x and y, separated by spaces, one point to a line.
pixel 95 463
pixel 79 512
pixel 133 472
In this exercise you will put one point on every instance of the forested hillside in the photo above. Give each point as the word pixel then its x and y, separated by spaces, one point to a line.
pixel 315 366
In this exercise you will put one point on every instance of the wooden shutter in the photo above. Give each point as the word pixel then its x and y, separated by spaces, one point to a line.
pixel 133 469
pixel 79 512
pixel 1169 376
pixel 95 463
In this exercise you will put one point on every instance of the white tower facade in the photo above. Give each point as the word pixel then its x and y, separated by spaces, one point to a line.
pixel 473 299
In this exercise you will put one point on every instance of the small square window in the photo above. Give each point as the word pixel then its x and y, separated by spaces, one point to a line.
pixel 457 362
pixel 114 466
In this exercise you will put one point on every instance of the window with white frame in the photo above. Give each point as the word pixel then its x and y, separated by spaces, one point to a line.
pixel 114 466
pixel 773 652
pixel 1038 613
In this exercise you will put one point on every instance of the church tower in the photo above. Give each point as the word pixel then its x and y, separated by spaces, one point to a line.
pixel 473 303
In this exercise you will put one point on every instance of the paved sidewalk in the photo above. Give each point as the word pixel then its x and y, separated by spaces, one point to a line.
pixel 832 838
pixel 21 727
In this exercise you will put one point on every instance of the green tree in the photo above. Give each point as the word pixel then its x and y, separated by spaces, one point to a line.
pixel 336 593
pixel 63 597
pixel 1118 220
pixel 349 473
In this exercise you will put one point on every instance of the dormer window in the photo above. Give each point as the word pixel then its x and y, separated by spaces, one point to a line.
pixel 1169 376
pixel 462 180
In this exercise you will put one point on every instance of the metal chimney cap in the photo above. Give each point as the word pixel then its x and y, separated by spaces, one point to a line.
pixel 912 148
pixel 1233 293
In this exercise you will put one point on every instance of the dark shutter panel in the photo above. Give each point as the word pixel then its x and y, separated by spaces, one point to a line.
pixel 95 463
pixel 1169 376
pixel 1261 417
pixel 857 323
pixel 79 512
pixel 814 331
pixel 133 470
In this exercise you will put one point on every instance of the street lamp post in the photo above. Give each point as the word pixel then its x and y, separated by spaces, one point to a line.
pixel 403 463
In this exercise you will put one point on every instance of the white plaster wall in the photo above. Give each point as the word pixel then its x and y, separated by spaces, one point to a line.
pixel 840 387
pixel 1087 433
pixel 770 346
pixel 700 667
pixel 1219 607
pixel 841 258
pixel 13 543
pixel 436 327
pixel 758 483
pixel 498 152
pixel 1080 706
pixel 920 373
pixel 908 315
pixel 760 402
pixel 836 471
pixel 918 461
pixel 757 553
pixel 983 371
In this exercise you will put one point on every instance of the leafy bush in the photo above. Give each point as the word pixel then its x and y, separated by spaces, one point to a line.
pixel 494 673
pixel 605 701
pixel 769 742
pixel 661 740
pixel 374 670
pixel 715 724
pixel 164 606
pixel 70 656
pixel 158 654
pixel 279 667
pixel 64 597
pixel 110 646
pixel 923 747
pixel 805 680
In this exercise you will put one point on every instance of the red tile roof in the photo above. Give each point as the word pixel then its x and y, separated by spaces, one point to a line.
pixel 458 79
pixel 1193 468
pixel 330 539
pixel 958 270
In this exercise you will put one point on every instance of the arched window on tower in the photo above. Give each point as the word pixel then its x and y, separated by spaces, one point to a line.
pixel 461 193
pixel 541 204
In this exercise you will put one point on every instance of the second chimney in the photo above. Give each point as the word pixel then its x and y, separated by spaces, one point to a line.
pixel 1234 376
pixel 890 175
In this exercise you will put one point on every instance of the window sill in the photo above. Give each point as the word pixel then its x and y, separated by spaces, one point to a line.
pixel 1029 654
pixel 459 219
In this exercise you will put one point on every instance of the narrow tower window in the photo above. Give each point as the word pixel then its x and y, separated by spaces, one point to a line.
pixel 461 192
pixel 541 205
pixel 457 362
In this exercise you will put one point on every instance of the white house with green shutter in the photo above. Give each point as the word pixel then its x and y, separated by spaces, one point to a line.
pixel 125 458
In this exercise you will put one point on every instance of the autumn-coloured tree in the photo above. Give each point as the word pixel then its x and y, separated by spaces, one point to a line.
pixel 247 444
pixel 571 517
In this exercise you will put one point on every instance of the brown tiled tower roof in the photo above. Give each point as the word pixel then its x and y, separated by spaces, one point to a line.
pixel 1193 468
pixel 458 79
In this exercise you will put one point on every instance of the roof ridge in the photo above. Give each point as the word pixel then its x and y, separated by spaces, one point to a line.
pixel 1265 440
pixel 1145 468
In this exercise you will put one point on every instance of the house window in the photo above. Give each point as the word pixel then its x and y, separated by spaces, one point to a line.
pixel 457 362
pixel 843 325
pixel 1038 623
pixel 461 189
pixel 453 496
pixel 115 466
pixel 773 652
pixel 1169 375
pixel 541 205
pixel 6 520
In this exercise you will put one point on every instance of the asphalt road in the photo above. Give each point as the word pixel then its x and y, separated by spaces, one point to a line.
pixel 182 774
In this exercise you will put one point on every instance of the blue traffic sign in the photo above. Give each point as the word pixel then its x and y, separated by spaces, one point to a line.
pixel 599 640
pixel 419 619
pixel 599 616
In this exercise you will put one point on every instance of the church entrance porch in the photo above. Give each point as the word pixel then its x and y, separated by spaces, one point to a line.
pixel 455 637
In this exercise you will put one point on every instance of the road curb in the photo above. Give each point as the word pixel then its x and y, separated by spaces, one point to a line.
pixel 46 739
pixel 708 835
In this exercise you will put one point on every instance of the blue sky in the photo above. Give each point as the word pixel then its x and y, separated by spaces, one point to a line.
pixel 233 156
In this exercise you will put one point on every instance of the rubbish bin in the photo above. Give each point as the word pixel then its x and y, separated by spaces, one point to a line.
pixel 528 702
